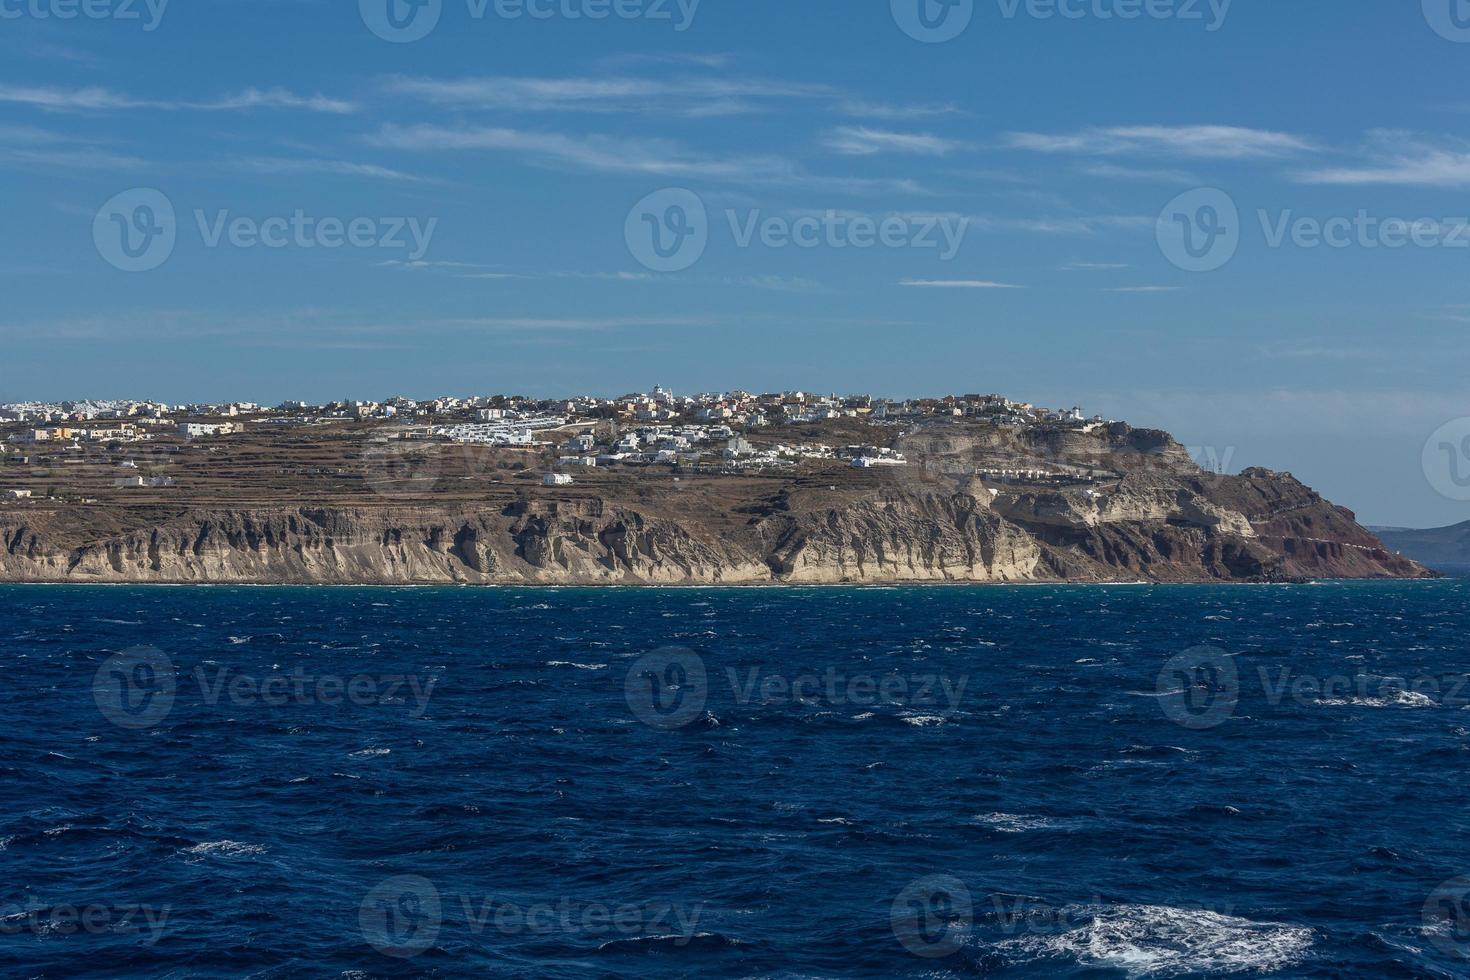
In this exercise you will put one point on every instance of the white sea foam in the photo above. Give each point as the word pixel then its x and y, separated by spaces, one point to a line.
pixel 568 663
pixel 1161 941
pixel 224 848
pixel 368 753
pixel 1399 699
pixel 1020 823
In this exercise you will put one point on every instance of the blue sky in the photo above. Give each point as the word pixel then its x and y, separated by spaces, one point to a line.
pixel 521 148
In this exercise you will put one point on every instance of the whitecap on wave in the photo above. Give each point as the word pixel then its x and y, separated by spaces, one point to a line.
pixel 224 848
pixel 1162 941
pixel 1400 699
pixel 1019 823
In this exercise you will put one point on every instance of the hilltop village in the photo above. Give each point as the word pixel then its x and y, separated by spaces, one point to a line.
pixel 722 433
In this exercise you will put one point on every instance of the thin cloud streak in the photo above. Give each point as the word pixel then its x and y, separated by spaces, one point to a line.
pixel 1196 142
pixel 99 99
pixel 957 284
pixel 862 141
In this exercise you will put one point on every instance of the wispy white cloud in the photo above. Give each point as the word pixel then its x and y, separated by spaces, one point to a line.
pixel 342 168
pixel 99 99
pixel 1080 225
pixel 1402 159
pixel 1144 289
pixel 1158 174
pixel 607 154
pixel 1095 266
pixel 29 147
pixel 624 155
pixel 719 60
pixel 957 284
pixel 863 108
pixel 863 141
pixel 1197 142
pixel 689 96
pixel 694 96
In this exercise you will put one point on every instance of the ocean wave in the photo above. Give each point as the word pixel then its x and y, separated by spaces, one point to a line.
pixel 645 944
pixel 1017 823
pixel 1401 699
pixel 1163 941
pixel 224 848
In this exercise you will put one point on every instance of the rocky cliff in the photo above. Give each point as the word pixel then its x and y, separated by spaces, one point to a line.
pixel 1161 524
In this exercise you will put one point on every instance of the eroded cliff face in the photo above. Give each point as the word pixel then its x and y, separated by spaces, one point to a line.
pixel 1259 526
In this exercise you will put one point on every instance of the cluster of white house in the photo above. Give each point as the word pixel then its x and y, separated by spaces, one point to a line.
pixel 640 429
pixel 661 405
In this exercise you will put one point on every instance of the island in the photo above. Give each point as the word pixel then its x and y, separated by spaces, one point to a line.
pixel 729 488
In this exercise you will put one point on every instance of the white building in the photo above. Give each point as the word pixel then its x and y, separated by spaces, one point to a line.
pixel 556 480
pixel 194 430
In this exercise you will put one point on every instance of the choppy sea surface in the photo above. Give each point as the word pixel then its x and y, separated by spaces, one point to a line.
pixel 899 782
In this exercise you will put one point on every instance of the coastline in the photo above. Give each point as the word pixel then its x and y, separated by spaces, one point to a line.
pixel 699 587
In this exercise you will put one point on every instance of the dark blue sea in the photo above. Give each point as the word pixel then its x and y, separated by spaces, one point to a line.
pixel 1047 782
